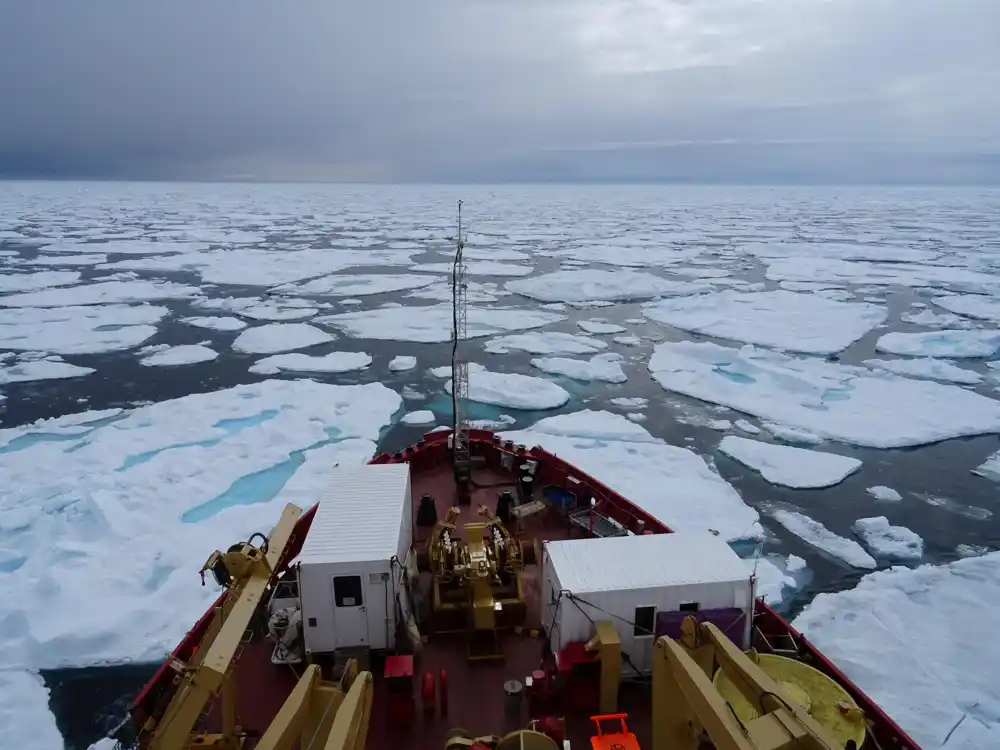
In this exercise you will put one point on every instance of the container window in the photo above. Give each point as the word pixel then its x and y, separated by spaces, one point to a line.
pixel 688 607
pixel 347 591
pixel 644 622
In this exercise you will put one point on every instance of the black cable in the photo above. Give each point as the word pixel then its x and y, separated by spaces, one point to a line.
pixel 625 657
pixel 459 245
pixel 263 545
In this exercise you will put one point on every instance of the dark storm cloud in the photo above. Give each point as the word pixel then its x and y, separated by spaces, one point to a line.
pixel 484 89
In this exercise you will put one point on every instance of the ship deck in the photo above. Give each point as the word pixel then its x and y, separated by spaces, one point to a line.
pixel 476 700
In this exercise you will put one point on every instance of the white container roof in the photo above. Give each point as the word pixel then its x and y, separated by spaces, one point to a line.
pixel 360 516
pixel 644 562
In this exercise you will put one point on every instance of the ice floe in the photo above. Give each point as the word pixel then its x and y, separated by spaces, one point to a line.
pixel 39 367
pixel 26 282
pixel 885 494
pixel 791 467
pixel 747 427
pixel 990 468
pixel 930 319
pixel 102 293
pixel 401 362
pixel 778 578
pixel 357 285
pixel 433 324
pixel 157 486
pixel 423 417
pixel 325 363
pixel 68 260
pixel 626 402
pixel 799 322
pixel 545 342
pixel 24 712
pixel 477 268
pixel 927 367
pixel 512 390
pixel 279 337
pixel 828 400
pixel 172 356
pixel 625 456
pixel 273 308
pixel 971 306
pixel 944 343
pixel 889 274
pixel 594 285
pixel 604 367
pixel 78 330
pixel 600 327
pixel 920 643
pixel 814 533
pixel 890 542
pixel 216 323
pixel 627 340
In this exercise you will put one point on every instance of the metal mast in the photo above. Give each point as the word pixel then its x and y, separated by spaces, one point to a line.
pixel 460 368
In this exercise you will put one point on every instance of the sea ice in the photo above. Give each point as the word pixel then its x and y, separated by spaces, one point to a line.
pixel 626 340
pixel 431 325
pixel 512 390
pixel 604 367
pixel 832 401
pixel 422 417
pixel 357 285
pixel 629 460
pixel 298 362
pixel 68 260
pixel 600 327
pixel 921 643
pixel 626 402
pixel 891 542
pixel 594 285
pixel 400 363
pixel 786 320
pixel 279 337
pixel 885 494
pixel 944 343
pixel 274 308
pixel 157 486
pixel 24 712
pixel 477 268
pixel 545 342
pixel 26 282
pixel 78 330
pixel 748 427
pixel 48 368
pixel 216 324
pixel 990 468
pixel 791 467
pixel 635 416
pixel 102 293
pixel 971 306
pixel 778 578
pixel 927 367
pixel 888 274
pixel 932 320
pixel 172 356
pixel 816 534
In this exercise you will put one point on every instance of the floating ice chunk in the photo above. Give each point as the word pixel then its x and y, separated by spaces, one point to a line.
pixel 885 494
pixel 894 635
pixel 778 578
pixel 829 400
pixel 279 337
pixel 792 435
pixel 892 542
pixel 747 427
pixel 26 282
pixel 158 486
pixel 624 456
pixel 216 324
pixel 493 253
pixel 594 285
pixel 785 320
pixel 24 712
pixel 816 534
pixel 635 417
pixel 412 394
pixel 791 467
pixel 604 367
pixel 444 371
pixel 441 291
pixel 419 418
pixel 971 306
pixel 68 260
pixel 860 272
pixel 932 369
pixel 990 468
pixel 932 320
pixel 298 362
pixel 50 368
pixel 78 330
pixel 971 550
pixel 600 327
pixel 545 342
pixel 630 403
pixel 502 421
pixel 400 363
pixel 477 268
pixel 361 302
pixel 129 247
pixel 106 292
pixel 512 390
pixel 841 251
pixel 173 356
pixel 944 343
pixel 357 285
pixel 720 425
pixel 952 506
pixel 430 325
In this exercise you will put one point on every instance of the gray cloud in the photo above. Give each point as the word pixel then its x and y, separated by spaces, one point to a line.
pixel 491 89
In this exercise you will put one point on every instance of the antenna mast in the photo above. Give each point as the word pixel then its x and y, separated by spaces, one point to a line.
pixel 460 371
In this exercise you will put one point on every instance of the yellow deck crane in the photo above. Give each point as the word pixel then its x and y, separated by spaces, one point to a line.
pixel 689 706
pixel 328 716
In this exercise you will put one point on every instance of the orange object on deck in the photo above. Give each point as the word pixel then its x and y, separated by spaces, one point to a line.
pixel 620 740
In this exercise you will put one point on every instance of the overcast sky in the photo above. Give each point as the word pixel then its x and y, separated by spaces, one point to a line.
pixel 481 90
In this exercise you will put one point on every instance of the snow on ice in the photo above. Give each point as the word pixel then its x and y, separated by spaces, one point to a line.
pixel 623 455
pixel 791 467
pixel 604 367
pixel 944 343
pixel 512 390
pixel 928 368
pixel 595 285
pixel 891 542
pixel 172 356
pixel 814 533
pixel 78 330
pixel 832 401
pixel 600 327
pixel 400 363
pixel 885 494
pixel 922 644
pixel 423 417
pixel 279 337
pixel 805 323
pixel 778 578
pixel 26 282
pixel 216 324
pixel 299 362
pixel 35 367
pixel 545 342
pixel 24 712
pixel 971 306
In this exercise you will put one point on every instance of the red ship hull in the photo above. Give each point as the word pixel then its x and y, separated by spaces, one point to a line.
pixel 473 695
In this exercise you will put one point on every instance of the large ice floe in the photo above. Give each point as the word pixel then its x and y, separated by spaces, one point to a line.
pixel 892 542
pixel 832 401
pixel 971 305
pixel 477 268
pixel 140 494
pixel 796 322
pixel 813 532
pixel 595 285
pixel 945 343
pixel 433 324
pixel 26 282
pixel 921 643
pixel 298 362
pixel 545 342
pixel 357 285
pixel 791 467
pixel 279 337
pixel 78 330
pixel 673 484
pixel 103 293
pixel 894 274
pixel 511 389
pixel 173 356
pixel 605 367
pixel 24 712
pixel 35 366
pixel 927 367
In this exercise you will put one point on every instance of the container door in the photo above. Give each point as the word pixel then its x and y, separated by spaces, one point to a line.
pixel 350 615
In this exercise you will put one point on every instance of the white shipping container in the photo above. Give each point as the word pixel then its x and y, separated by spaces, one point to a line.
pixel 629 580
pixel 353 559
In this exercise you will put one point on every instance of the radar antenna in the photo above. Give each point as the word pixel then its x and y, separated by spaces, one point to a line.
pixel 460 371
